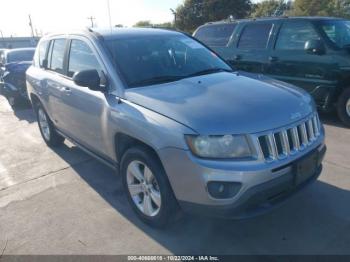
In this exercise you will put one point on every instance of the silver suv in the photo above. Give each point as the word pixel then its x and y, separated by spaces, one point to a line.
pixel 182 129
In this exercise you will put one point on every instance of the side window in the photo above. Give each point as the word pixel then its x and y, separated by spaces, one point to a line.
pixel 57 55
pixel 215 35
pixel 81 58
pixel 255 36
pixel 294 35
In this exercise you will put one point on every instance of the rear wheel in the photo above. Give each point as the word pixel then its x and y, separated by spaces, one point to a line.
pixel 147 187
pixel 344 107
pixel 47 129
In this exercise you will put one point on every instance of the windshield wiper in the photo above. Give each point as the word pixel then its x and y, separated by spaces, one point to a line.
pixel 156 80
pixel 210 71
pixel 172 78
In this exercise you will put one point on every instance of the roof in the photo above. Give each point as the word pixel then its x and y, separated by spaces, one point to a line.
pixel 116 32
pixel 313 18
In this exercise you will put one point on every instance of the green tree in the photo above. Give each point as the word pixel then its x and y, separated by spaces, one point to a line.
pixel 164 25
pixel 145 23
pixel 148 23
pixel 193 13
pixel 339 8
pixel 268 8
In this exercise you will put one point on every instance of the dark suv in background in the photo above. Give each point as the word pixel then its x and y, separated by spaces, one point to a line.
pixel 310 52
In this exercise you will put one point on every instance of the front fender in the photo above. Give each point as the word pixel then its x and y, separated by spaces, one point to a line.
pixel 151 128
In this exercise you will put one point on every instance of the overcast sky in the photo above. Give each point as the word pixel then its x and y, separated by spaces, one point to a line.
pixel 60 15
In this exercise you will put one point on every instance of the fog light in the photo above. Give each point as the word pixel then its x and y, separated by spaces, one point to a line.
pixel 223 190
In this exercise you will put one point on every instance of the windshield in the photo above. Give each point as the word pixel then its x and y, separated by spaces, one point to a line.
pixel 20 56
pixel 338 31
pixel 158 59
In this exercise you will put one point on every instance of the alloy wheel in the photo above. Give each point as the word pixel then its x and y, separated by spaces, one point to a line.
pixel 44 124
pixel 143 188
pixel 347 105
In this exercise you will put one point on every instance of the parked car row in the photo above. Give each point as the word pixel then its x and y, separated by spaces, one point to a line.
pixel 184 130
pixel 13 66
pixel 310 52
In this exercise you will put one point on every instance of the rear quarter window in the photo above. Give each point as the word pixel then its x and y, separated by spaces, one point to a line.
pixel 215 35
pixel 255 36
pixel 40 54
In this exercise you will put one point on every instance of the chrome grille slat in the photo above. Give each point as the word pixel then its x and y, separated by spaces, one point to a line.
pixel 296 140
pixel 272 146
pixel 311 130
pixel 304 134
pixel 316 126
pixel 286 142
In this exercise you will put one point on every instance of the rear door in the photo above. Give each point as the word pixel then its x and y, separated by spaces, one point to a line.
pixel 250 50
pixel 53 85
pixel 289 61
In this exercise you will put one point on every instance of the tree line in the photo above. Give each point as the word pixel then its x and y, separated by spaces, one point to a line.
pixel 193 13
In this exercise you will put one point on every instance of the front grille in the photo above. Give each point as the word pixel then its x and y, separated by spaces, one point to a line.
pixel 285 142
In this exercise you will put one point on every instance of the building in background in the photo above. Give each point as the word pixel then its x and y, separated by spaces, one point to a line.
pixel 18 42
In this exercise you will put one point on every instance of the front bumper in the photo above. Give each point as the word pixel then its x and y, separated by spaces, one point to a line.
pixel 264 186
pixel 257 200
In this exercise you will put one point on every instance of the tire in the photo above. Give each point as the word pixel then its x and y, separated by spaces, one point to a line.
pixel 343 107
pixel 46 127
pixel 14 102
pixel 158 213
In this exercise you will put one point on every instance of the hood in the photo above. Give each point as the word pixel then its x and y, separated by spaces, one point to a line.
pixel 226 103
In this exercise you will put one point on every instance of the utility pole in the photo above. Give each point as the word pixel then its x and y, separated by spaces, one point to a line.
pixel 91 18
pixel 31 25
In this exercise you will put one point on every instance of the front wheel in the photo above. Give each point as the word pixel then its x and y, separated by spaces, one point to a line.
pixel 343 107
pixel 147 187
pixel 47 129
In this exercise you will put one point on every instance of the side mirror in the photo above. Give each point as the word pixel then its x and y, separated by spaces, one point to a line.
pixel 315 47
pixel 88 78
pixel 45 64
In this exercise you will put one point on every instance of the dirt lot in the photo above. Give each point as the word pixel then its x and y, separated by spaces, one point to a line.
pixel 64 202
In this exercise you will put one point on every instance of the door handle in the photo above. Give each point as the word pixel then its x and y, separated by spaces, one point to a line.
pixel 66 90
pixel 273 58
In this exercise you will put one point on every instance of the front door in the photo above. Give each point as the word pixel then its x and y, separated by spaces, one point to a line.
pixel 83 108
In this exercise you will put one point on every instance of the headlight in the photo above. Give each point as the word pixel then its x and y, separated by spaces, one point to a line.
pixel 219 146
